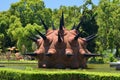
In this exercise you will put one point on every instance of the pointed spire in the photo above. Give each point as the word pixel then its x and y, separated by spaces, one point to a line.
pixel 48 54
pixel 43 36
pixel 77 28
pixel 59 38
pixel 31 38
pixel 53 27
pixel 69 54
pixel 34 35
pixel 91 55
pixel 62 18
pixel 61 22
pixel 77 36
pixel 80 23
pixel 31 54
pixel 45 26
pixel 89 38
pixel 73 27
pixel 61 27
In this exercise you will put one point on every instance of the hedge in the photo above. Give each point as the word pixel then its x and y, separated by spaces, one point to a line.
pixel 13 74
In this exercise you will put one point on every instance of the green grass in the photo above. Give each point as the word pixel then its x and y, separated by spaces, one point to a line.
pixel 54 71
pixel 19 71
pixel 18 62
pixel 32 65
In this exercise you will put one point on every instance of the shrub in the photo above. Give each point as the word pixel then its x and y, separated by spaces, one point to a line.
pixel 12 74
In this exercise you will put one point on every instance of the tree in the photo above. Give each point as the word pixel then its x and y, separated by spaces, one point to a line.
pixel 30 11
pixel 25 16
pixel 108 19
pixel 89 25
pixel 4 25
pixel 22 34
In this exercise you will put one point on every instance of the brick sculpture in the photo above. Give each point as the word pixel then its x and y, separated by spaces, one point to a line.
pixel 62 48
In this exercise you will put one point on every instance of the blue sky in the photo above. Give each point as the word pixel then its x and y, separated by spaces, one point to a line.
pixel 5 4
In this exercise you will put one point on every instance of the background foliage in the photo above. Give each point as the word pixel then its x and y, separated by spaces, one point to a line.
pixel 23 17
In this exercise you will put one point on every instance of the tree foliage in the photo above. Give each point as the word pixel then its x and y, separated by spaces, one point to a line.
pixel 23 18
pixel 108 20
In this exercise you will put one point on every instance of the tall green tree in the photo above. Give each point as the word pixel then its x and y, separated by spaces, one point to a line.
pixel 4 26
pixel 22 34
pixel 25 16
pixel 30 11
pixel 89 25
pixel 108 19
